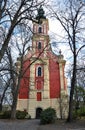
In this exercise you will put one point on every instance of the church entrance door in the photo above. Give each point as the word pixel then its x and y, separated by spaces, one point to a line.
pixel 38 112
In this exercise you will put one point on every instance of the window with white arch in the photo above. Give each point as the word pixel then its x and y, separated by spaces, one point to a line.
pixel 39 29
pixel 39 71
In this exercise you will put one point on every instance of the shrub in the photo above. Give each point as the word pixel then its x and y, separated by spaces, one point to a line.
pixel 5 115
pixel 1 114
pixel 21 114
pixel 48 116
pixel 27 116
pixel 79 113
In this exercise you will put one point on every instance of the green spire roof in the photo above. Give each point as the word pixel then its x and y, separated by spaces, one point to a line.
pixel 40 14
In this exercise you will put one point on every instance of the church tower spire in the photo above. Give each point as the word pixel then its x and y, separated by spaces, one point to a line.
pixel 40 15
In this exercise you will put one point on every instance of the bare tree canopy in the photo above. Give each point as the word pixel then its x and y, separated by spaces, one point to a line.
pixel 71 15
pixel 15 33
pixel 14 13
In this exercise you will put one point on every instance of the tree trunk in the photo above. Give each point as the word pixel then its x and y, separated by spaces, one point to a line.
pixel 14 105
pixel 15 97
pixel 73 83
pixel 3 95
pixel 0 106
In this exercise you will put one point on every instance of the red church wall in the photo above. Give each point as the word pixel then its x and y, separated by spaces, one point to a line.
pixel 54 79
pixel 24 85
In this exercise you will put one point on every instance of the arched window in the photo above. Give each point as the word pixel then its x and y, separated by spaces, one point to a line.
pixel 39 71
pixel 40 30
pixel 39 45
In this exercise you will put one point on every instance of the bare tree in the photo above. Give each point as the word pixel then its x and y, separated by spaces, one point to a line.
pixel 72 17
pixel 2 8
pixel 5 84
pixel 18 73
pixel 14 13
pixel 4 87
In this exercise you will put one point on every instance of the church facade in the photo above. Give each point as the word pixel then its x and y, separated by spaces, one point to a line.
pixel 43 84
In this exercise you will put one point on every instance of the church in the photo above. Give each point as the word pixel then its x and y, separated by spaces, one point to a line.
pixel 44 83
